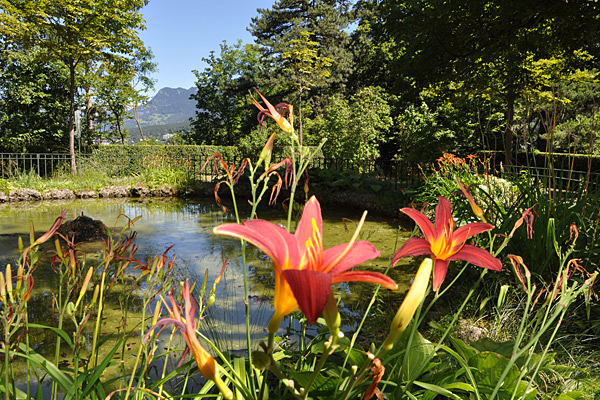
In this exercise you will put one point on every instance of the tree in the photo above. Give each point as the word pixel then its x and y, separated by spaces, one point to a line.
pixel 306 68
pixel 279 29
pixel 488 47
pixel 120 85
pixel 33 102
pixel 74 32
pixel 222 114
pixel 355 128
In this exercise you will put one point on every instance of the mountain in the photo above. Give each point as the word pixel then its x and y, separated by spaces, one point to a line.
pixel 168 106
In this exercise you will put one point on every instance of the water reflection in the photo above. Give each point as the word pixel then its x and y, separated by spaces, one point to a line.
pixel 187 226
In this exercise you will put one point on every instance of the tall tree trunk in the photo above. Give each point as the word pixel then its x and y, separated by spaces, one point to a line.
pixel 508 131
pixel 72 117
pixel 137 119
pixel 118 121
pixel 88 110
pixel 300 117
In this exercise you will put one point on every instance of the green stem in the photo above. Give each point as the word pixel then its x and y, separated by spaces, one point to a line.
pixel 29 367
pixel 246 290
pixel 294 184
pixel 62 309
pixel 93 356
pixel 140 348
pixel 317 370
pixel 6 356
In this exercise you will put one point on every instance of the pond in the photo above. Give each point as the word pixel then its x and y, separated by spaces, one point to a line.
pixel 187 226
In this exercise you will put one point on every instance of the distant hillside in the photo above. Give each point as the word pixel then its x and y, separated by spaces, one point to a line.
pixel 168 106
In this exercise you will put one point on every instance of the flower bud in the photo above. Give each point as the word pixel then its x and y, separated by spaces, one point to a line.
pixel 411 302
pixel 2 288
pixel 332 316
pixel 266 153
pixel 9 287
pixel 84 286
pixel 20 272
pixel 261 360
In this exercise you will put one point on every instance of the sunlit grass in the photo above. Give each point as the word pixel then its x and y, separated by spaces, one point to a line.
pixel 93 176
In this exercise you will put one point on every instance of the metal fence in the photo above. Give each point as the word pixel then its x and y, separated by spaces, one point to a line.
pixel 44 165
pixel 398 174
pixel 564 182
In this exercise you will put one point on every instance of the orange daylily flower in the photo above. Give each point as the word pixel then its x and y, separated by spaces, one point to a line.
pixel 466 190
pixel 445 243
pixel 275 112
pixel 209 368
pixel 304 272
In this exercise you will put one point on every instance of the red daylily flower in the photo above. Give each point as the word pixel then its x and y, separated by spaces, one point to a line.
pixel 274 112
pixel 209 368
pixel 445 243
pixel 304 272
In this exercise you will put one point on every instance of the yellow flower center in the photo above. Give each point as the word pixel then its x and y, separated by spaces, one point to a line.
pixel 314 250
pixel 443 245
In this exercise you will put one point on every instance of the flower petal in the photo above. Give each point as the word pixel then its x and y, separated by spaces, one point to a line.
pixel 277 243
pixel 163 322
pixel 466 231
pixel 443 216
pixel 304 230
pixel 359 253
pixel 311 289
pixel 412 247
pixel 284 300
pixel 422 221
pixel 365 276
pixel 440 268
pixel 476 256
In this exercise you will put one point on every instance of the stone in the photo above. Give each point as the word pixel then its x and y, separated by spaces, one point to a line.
pixel 114 191
pixel 87 194
pixel 83 229
pixel 140 191
pixel 24 195
pixel 58 194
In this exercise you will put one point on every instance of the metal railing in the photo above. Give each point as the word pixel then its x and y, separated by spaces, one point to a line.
pixel 564 182
pixel 398 174
pixel 42 164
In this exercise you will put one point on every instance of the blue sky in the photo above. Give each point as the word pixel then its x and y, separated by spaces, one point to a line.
pixel 181 32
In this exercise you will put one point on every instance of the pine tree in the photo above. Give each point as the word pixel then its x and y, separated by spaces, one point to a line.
pixel 277 28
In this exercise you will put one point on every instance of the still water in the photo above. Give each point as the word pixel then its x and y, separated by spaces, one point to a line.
pixel 187 226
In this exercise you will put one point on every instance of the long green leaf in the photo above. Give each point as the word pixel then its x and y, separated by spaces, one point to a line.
pixel 59 332
pixel 63 380
pixel 19 394
pixel 437 389
pixel 99 369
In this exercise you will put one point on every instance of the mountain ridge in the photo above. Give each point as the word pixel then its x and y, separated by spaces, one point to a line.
pixel 168 106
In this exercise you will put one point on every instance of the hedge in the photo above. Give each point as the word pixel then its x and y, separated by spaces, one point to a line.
pixel 173 151
pixel 201 152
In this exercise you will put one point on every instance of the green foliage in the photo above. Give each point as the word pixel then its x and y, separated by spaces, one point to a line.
pixel 333 180
pixel 33 102
pixel 222 112
pixel 509 54
pixel 558 210
pixel 116 89
pixel 578 135
pixel 76 36
pixel 279 29
pixel 355 128
pixel 306 66
pixel 182 151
